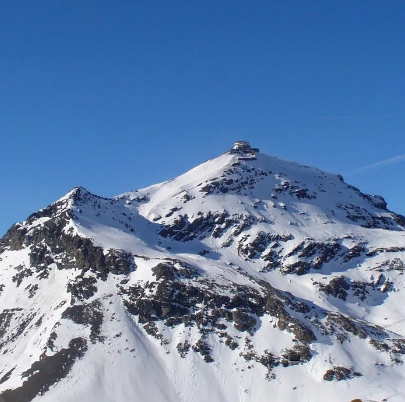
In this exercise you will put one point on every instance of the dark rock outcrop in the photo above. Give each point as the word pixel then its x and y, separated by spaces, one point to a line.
pixel 340 374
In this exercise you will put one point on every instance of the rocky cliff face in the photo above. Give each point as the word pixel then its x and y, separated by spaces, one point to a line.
pixel 236 279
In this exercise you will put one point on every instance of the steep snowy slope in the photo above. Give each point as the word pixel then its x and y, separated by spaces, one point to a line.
pixel 244 278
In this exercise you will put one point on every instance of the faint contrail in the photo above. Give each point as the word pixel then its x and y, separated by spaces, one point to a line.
pixel 389 161
pixel 359 116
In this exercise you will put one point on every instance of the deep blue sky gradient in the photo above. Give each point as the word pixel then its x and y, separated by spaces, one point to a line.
pixel 118 95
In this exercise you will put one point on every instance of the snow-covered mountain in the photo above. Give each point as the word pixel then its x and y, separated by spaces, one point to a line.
pixel 248 278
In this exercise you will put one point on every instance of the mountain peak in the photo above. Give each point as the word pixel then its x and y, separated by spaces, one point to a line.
pixel 245 181
pixel 74 194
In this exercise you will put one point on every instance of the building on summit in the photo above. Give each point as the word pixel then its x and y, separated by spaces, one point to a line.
pixel 244 149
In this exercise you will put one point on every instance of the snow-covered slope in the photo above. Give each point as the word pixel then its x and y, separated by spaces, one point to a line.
pixel 242 279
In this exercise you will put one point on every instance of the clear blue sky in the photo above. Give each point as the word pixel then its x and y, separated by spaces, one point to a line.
pixel 118 95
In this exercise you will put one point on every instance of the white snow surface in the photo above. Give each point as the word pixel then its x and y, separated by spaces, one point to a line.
pixel 131 365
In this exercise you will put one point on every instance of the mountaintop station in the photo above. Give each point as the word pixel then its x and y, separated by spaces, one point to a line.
pixel 244 149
